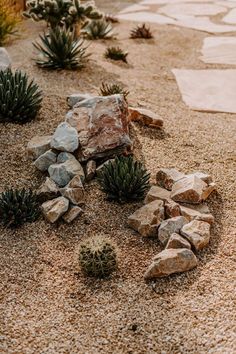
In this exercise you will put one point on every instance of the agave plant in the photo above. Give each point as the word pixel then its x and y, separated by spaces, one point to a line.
pixel 141 32
pixel 113 89
pixel 116 53
pixel 124 179
pixel 20 99
pixel 61 50
pixel 98 29
pixel 18 206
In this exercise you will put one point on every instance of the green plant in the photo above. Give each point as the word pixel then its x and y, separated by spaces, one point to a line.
pixel 113 89
pixel 18 206
pixel 124 179
pixel 20 100
pixel 61 50
pixel 98 29
pixel 9 18
pixel 116 53
pixel 97 258
pixel 141 32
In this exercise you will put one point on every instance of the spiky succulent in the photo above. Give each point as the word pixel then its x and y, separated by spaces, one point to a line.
pixel 113 89
pixel 141 32
pixel 18 206
pixel 61 50
pixel 97 258
pixel 111 18
pixel 20 99
pixel 116 53
pixel 124 179
pixel 98 29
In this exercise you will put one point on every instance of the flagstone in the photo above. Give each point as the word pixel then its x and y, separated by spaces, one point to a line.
pixel 230 17
pixel 191 9
pixel 219 50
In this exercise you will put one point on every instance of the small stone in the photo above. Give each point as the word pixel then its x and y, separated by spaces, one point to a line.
pixel 172 209
pixel 198 213
pixel 177 241
pixel 147 219
pixel 166 177
pixel 45 160
pixel 90 170
pixel 74 191
pixel 75 98
pixel 157 193
pixel 171 261
pixel 65 138
pixel 203 176
pixel 72 214
pixel 55 208
pixel 48 190
pixel 38 146
pixel 170 226
pixel 197 233
pixel 188 190
pixel 208 190
pixel 5 61
pixel 145 117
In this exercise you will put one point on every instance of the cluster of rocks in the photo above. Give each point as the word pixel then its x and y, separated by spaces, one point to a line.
pixel 175 214
pixel 95 129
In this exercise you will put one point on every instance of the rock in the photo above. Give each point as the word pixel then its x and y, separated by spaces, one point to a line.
pixel 45 160
pixel 145 117
pixel 90 170
pixel 74 191
pixel 171 261
pixel 102 126
pixel 208 190
pixel 166 177
pixel 65 138
pixel 157 193
pixel 5 61
pixel 38 146
pixel 197 233
pixel 188 190
pixel 48 190
pixel 99 168
pixel 172 209
pixel 55 208
pixel 72 100
pixel 191 214
pixel 66 168
pixel 72 214
pixel 203 176
pixel 177 241
pixel 147 219
pixel 170 226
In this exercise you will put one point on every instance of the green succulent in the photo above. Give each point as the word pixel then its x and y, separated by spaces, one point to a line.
pixel 124 179
pixel 98 29
pixel 61 50
pixel 116 53
pixel 141 32
pixel 113 89
pixel 20 99
pixel 97 258
pixel 18 206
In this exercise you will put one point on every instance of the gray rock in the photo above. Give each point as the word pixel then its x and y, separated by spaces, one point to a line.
pixel 65 138
pixel 177 241
pixel 5 61
pixel 45 160
pixel 73 213
pixel 48 190
pixel 197 233
pixel 75 98
pixel 38 146
pixel 55 208
pixel 170 226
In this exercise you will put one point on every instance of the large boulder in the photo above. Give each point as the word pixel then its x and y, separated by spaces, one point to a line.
pixel 171 261
pixel 102 126
pixel 38 145
pixel 5 61
pixel 169 226
pixel 65 138
pixel 55 208
pixel 197 233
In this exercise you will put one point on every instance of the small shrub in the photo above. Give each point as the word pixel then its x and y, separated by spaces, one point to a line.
pixel 9 19
pixel 97 258
pixel 141 32
pixel 116 53
pixel 98 29
pixel 124 179
pixel 61 50
pixel 20 100
pixel 18 206
pixel 113 89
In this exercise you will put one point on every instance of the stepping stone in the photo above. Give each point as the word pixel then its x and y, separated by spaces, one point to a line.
pixel 230 17
pixel 145 16
pixel 191 9
pixel 219 50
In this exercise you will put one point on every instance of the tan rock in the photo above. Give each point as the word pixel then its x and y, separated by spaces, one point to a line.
pixel 170 226
pixel 191 214
pixel 177 241
pixel 172 209
pixel 90 170
pixel 203 176
pixel 147 219
pixel 166 177
pixel 74 191
pixel 171 261
pixel 157 193
pixel 208 190
pixel 197 233
pixel 145 117
pixel 73 213
pixel 55 208
pixel 38 146
pixel 188 190
pixel 47 190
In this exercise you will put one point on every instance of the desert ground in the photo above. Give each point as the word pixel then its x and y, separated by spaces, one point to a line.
pixel 46 305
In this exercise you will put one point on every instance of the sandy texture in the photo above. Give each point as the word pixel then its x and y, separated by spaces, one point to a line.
pixel 46 305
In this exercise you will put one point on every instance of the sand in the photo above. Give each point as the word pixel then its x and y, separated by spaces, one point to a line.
pixel 47 305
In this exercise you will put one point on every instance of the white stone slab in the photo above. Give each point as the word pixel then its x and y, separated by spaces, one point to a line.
pixel 208 90
pixel 160 2
pixel 203 23
pixel 230 17
pixel 192 9
pixel 229 4
pixel 134 8
pixel 147 17
pixel 219 50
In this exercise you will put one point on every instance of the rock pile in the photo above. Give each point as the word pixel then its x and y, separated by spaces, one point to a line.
pixel 174 213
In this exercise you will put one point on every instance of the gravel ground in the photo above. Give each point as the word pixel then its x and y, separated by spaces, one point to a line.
pixel 47 306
